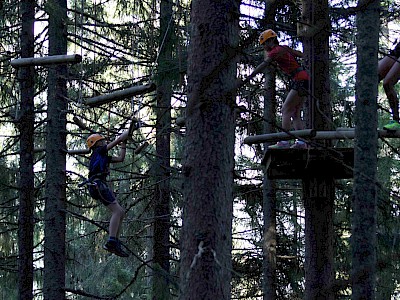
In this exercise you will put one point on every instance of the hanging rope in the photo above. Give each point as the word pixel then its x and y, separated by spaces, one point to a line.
pixel 163 41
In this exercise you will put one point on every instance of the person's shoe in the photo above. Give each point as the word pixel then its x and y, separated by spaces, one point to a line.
pixel 299 145
pixel 280 145
pixel 392 126
pixel 115 247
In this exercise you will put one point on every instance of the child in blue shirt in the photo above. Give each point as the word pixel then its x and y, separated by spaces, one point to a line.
pixel 99 189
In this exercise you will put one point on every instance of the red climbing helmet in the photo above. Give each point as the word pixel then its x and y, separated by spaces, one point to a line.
pixel 93 138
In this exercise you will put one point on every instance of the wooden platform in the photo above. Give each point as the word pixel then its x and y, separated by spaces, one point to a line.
pixel 306 163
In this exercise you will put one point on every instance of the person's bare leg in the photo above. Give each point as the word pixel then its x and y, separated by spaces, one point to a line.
pixel 291 109
pixel 384 66
pixel 391 78
pixel 298 123
pixel 117 215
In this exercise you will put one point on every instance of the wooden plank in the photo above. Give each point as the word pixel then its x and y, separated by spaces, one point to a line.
pixel 279 136
pixel 48 60
pixel 120 95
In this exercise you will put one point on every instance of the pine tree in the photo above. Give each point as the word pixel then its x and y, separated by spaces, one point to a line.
pixel 55 206
pixel 363 240
pixel 26 182
pixel 208 162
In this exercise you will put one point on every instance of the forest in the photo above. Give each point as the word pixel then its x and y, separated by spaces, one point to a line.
pixel 208 214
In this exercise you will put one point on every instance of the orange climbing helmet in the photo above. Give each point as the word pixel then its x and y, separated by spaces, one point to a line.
pixel 267 34
pixel 93 138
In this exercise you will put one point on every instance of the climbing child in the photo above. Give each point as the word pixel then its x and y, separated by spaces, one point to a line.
pixel 285 58
pixel 99 189
pixel 389 72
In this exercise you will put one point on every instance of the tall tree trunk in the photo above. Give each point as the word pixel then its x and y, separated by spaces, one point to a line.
pixel 26 182
pixel 363 240
pixel 54 260
pixel 206 238
pixel 318 203
pixel 319 192
pixel 269 186
pixel 161 244
pixel 316 49
pixel 269 197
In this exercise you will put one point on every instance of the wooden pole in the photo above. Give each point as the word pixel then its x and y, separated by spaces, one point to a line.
pixel 350 134
pixel 48 60
pixel 340 134
pixel 138 150
pixel 119 95
pixel 279 136
pixel 78 151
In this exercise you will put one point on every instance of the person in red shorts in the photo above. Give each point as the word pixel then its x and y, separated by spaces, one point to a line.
pixel 389 72
pixel 286 59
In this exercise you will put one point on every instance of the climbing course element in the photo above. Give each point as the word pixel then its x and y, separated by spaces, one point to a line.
pixel 44 61
pixel 120 95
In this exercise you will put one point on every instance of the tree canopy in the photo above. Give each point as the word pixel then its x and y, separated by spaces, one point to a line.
pixel 187 158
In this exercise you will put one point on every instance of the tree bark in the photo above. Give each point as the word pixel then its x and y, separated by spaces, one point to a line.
pixel 363 240
pixel 54 260
pixel 206 238
pixel 26 181
pixel 318 192
pixel 319 196
pixel 269 186
pixel 269 197
pixel 162 166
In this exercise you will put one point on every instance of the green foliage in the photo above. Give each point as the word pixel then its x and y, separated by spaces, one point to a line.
pixel 120 48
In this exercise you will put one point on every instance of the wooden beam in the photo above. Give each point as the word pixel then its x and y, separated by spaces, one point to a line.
pixel 120 95
pixel 349 133
pixel 48 60
pixel 78 151
pixel 335 135
pixel 339 134
pixel 280 136
pixel 138 150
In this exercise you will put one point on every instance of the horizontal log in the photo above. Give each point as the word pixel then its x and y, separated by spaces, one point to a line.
pixel 120 95
pixel 48 60
pixel 339 134
pixel 279 136
pixel 71 152
pixel 349 133
pixel 335 135
pixel 138 150
pixel 78 151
